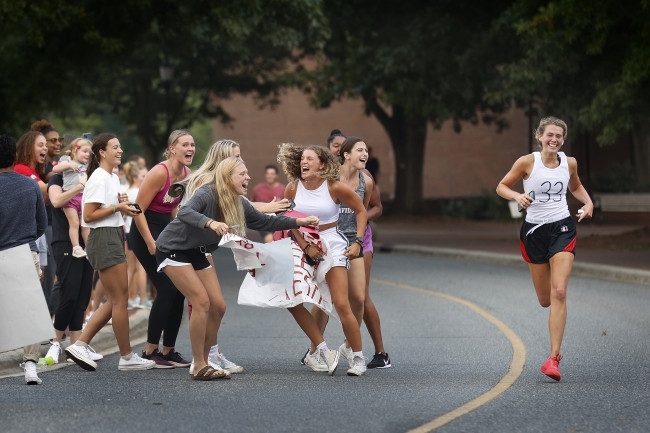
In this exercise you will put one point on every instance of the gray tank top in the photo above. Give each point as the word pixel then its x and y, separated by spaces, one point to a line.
pixel 347 218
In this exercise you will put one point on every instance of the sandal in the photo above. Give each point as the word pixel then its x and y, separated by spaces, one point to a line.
pixel 209 373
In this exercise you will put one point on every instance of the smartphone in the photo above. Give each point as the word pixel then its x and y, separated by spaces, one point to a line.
pixel 137 207
pixel 532 195
pixel 88 136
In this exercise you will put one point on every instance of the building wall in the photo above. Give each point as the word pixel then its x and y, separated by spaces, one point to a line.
pixel 455 165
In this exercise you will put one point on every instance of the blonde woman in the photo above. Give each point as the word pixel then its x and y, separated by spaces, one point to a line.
pixel 548 235
pixel 204 175
pixel 313 172
pixel 157 212
pixel 209 212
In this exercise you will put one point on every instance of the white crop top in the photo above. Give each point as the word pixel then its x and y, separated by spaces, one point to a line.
pixel 550 186
pixel 317 202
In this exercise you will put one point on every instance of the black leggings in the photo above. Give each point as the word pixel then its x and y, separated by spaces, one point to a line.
pixel 75 277
pixel 167 310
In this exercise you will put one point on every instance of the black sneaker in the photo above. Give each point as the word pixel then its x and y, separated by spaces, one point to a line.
pixel 176 359
pixel 158 358
pixel 302 361
pixel 380 360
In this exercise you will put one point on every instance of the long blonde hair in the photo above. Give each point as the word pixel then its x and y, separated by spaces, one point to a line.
pixel 289 158
pixel 219 151
pixel 131 171
pixel 231 209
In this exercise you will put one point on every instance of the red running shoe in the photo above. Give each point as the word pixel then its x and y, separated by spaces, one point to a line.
pixel 551 367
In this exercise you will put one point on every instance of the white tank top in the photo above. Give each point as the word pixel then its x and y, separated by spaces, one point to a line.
pixel 317 202
pixel 550 186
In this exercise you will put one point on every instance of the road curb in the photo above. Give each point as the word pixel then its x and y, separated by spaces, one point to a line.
pixel 104 340
pixel 590 270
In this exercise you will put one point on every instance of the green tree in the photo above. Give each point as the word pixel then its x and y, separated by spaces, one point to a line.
pixel 412 63
pixel 109 53
pixel 587 60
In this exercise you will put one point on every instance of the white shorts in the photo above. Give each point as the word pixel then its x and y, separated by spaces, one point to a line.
pixel 338 243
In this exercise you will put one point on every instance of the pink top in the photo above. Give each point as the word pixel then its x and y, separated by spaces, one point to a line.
pixel 158 204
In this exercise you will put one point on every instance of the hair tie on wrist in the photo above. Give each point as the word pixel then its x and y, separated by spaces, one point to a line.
pixel 114 209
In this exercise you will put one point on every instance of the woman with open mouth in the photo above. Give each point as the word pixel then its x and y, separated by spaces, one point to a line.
pixel 103 207
pixel 374 210
pixel 210 212
pixel 157 212
pixel 313 172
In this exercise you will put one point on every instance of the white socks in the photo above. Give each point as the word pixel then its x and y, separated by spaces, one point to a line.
pixel 322 346
pixel 214 349
pixel 359 354
pixel 128 357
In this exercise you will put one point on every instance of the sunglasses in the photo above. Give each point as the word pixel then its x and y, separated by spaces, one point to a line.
pixel 53 140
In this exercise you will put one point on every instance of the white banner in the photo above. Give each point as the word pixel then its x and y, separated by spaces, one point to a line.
pixel 24 317
pixel 278 275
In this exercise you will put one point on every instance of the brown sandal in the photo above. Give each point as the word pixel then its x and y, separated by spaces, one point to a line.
pixel 209 373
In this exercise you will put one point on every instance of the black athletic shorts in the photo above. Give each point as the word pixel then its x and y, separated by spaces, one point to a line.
pixel 547 240
pixel 195 257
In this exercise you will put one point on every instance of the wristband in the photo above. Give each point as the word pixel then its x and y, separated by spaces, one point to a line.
pixel 114 209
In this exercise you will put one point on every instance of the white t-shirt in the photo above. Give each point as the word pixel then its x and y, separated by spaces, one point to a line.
pixel 132 193
pixel 102 187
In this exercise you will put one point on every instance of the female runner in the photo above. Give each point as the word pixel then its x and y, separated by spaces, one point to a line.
pixel 370 314
pixel 313 174
pixel 210 212
pixel 548 236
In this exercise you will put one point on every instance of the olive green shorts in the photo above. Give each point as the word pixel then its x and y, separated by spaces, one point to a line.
pixel 105 247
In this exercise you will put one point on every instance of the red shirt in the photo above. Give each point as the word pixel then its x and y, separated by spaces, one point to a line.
pixel 265 194
pixel 27 171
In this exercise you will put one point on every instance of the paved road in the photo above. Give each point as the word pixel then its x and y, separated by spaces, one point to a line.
pixel 443 354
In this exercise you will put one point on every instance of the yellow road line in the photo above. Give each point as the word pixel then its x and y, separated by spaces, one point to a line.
pixel 516 364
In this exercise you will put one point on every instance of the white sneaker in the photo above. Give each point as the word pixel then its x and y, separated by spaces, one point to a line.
pixel 132 304
pixel 316 362
pixel 31 378
pixel 211 364
pixel 81 356
pixel 78 252
pixel 359 367
pixel 54 352
pixel 229 366
pixel 331 358
pixel 347 353
pixel 135 363
pixel 94 355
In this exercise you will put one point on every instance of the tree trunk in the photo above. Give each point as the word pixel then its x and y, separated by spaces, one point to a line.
pixel 641 143
pixel 408 134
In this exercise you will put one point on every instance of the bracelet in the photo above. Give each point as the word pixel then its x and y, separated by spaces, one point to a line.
pixel 304 250
pixel 114 208
pixel 208 224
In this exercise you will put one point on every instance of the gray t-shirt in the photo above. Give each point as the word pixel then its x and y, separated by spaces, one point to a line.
pixel 188 229
pixel 71 177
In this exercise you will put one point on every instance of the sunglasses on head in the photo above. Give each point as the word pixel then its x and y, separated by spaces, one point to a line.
pixel 53 140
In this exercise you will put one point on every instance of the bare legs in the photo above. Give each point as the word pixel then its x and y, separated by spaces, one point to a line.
pixel 370 314
pixel 551 281
pixel 114 280
pixel 202 289
pixel 137 277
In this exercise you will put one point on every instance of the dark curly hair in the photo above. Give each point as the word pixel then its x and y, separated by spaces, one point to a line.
pixel 7 151
pixel 25 150
pixel 43 126
pixel 289 158
pixel 335 133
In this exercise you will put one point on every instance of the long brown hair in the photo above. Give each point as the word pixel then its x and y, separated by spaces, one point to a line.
pixel 347 146
pixel 289 158
pixel 99 143
pixel 25 150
